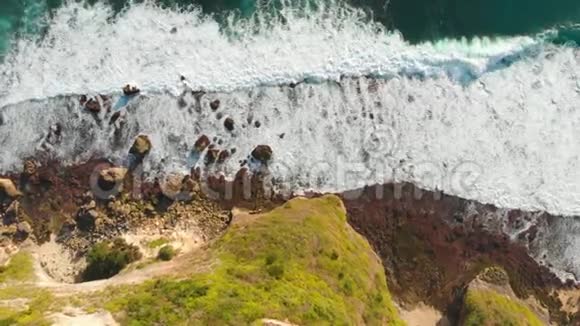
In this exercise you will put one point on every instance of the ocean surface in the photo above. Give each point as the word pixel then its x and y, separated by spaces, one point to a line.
pixel 479 99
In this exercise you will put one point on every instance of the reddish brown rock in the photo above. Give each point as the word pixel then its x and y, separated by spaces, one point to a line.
pixel 211 156
pixel 201 143
pixel 223 156
pixel 429 259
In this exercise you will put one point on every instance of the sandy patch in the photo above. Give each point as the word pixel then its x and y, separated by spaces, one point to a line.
pixel 423 315
pixel 75 317
pixel 182 239
pixel 58 263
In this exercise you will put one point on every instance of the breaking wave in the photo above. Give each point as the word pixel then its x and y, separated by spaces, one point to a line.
pixel 94 49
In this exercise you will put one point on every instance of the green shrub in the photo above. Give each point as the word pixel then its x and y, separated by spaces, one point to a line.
pixel 485 307
pixel 18 269
pixel 157 243
pixel 107 259
pixel 166 253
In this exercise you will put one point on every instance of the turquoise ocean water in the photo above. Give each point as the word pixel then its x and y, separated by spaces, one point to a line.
pixel 417 20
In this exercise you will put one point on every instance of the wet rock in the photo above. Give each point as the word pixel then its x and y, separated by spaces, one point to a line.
pixel 8 190
pixel 201 143
pixel 141 146
pixel 93 105
pixel 229 124
pixel 211 156
pixel 131 89
pixel 214 105
pixel 223 156
pixel 262 153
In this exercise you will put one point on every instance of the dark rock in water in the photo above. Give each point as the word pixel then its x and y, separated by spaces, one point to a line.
pixel 281 136
pixel 214 105
pixel 201 143
pixel 181 102
pixel 93 105
pixel 257 124
pixel 233 150
pixel 229 124
pixel 223 156
pixel 131 90
pixel 219 115
pixel 211 156
pixel 173 30
pixel 262 153
pixel 141 146
pixel 115 117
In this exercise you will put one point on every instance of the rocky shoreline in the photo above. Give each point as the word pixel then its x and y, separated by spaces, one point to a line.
pixel 432 246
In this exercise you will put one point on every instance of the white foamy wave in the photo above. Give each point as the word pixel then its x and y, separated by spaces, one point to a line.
pixel 509 139
pixel 89 49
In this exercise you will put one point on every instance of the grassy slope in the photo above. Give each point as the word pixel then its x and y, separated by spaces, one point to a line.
pixel 300 262
pixel 485 307
pixel 19 270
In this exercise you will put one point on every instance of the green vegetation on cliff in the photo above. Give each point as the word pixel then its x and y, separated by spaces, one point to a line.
pixel 300 262
pixel 18 269
pixel 487 307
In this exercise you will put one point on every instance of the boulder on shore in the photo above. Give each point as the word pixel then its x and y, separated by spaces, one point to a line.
pixel 8 189
pixel 201 143
pixel 111 177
